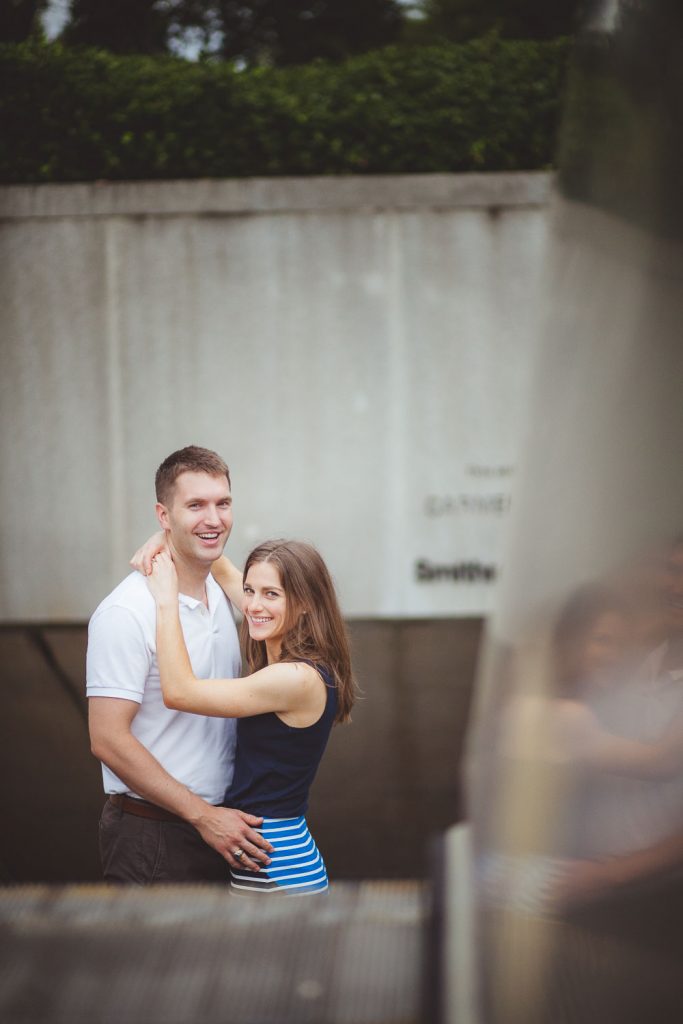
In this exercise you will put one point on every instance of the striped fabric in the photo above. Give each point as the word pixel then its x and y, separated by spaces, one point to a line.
pixel 296 867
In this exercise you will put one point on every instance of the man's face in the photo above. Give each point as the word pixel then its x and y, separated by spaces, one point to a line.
pixel 604 647
pixel 198 517
pixel 674 589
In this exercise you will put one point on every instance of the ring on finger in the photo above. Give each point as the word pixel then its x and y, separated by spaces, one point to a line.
pixel 238 853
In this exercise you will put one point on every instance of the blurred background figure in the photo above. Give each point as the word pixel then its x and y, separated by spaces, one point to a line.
pixel 631 830
pixel 610 715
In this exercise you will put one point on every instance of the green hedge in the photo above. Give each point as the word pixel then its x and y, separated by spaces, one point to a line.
pixel 80 115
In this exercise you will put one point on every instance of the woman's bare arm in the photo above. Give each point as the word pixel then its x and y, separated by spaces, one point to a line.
pixel 285 687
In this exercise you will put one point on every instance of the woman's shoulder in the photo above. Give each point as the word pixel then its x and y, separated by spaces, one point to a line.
pixel 321 670
pixel 299 671
pixel 309 674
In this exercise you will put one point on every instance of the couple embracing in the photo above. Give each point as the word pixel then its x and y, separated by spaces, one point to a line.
pixel 207 774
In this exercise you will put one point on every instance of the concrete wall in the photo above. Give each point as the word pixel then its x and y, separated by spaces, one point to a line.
pixel 358 349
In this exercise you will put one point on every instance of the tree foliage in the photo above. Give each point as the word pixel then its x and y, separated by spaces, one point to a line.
pixel 460 20
pixel 19 18
pixel 121 26
pixel 486 105
pixel 622 146
pixel 284 32
pixel 255 32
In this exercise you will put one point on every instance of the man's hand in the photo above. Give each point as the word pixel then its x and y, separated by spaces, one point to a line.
pixel 227 830
pixel 584 881
pixel 222 828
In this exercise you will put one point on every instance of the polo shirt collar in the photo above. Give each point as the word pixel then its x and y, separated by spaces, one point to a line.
pixel 659 677
pixel 213 593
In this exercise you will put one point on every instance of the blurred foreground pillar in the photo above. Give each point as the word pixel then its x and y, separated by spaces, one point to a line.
pixel 575 775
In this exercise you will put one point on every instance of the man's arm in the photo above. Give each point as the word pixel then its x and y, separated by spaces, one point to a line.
pixel 113 743
pixel 578 731
pixel 587 880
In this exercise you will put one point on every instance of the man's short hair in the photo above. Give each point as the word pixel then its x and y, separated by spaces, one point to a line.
pixel 191 459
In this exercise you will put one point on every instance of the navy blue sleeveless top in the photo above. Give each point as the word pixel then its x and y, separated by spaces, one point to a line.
pixel 276 763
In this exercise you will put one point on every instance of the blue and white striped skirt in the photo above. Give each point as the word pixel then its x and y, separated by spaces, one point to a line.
pixel 296 867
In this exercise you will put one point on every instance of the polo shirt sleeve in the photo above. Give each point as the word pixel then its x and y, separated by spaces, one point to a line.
pixel 119 657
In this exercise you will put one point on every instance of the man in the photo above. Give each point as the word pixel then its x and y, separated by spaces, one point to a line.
pixel 166 772
pixel 620 906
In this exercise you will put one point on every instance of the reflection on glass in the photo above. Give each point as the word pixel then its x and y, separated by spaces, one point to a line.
pixel 575 766
pixel 580 816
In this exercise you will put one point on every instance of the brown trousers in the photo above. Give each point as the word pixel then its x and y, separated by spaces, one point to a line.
pixel 139 851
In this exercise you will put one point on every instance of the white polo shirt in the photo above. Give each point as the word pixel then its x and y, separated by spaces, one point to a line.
pixel 121 662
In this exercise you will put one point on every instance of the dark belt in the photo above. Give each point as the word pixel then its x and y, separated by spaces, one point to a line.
pixel 142 809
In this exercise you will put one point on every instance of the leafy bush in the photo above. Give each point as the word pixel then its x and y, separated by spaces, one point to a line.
pixel 79 115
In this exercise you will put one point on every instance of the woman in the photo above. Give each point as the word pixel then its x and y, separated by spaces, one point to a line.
pixel 300 684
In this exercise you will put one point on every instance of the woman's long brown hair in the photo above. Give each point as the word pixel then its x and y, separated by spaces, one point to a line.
pixel 314 628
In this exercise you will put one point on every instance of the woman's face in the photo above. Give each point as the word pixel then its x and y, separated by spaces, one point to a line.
pixel 265 603
pixel 604 647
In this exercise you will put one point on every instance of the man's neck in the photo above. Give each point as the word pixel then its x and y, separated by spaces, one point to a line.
pixel 192 579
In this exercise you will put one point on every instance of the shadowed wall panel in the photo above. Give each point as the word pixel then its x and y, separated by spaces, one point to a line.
pixel 51 786
pixel 388 782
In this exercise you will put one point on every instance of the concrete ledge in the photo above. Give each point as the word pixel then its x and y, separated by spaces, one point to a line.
pixel 267 195
pixel 180 954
